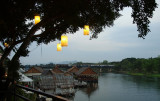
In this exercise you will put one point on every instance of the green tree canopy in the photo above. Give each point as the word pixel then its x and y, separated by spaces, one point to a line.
pixel 105 62
pixel 139 65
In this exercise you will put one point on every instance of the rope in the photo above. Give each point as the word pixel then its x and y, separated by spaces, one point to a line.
pixel 36 48
pixel 41 49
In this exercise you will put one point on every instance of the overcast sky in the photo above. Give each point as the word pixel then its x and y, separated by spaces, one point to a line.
pixel 113 44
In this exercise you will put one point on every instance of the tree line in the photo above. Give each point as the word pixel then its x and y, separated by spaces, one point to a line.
pixel 139 65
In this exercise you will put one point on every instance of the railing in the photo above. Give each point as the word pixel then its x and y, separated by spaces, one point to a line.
pixel 54 97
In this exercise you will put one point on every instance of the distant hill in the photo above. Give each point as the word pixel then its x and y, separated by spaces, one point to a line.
pixel 67 62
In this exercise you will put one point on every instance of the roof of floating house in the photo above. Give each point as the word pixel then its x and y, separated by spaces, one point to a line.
pixel 47 72
pixel 57 70
pixel 21 70
pixel 24 78
pixel 74 69
pixel 86 71
pixel 35 70
pixel 67 74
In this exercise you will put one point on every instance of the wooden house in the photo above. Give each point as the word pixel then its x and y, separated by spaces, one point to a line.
pixel 67 74
pixel 46 82
pixel 87 74
pixel 73 70
pixel 47 73
pixel 57 70
pixel 34 71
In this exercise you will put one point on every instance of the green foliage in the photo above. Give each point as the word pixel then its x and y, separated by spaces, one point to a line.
pixel 105 62
pixel 133 65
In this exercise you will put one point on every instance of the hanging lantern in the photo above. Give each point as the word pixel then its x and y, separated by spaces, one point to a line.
pixel 86 30
pixel 6 44
pixel 5 75
pixel 37 19
pixel 64 41
pixel 59 47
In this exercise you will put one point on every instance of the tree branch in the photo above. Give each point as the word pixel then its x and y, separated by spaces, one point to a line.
pixel 30 35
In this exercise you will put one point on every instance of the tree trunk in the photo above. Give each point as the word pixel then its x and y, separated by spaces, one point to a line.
pixel 5 54
pixel 15 60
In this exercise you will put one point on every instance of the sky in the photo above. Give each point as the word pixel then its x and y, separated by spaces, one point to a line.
pixel 113 44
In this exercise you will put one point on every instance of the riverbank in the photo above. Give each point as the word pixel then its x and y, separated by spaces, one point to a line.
pixel 139 74
pixel 143 74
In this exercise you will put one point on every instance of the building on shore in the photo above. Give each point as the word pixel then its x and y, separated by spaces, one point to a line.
pixel 56 81
pixel 87 74
pixel 59 82
pixel 47 72
pixel 73 70
pixel 34 71
pixel 57 70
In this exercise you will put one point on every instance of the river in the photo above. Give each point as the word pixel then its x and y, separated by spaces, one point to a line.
pixel 120 87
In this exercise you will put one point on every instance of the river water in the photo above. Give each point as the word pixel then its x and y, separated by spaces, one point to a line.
pixel 120 87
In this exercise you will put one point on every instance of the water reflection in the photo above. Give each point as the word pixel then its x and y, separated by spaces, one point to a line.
pixel 91 88
pixel 120 87
pixel 143 82
pixel 84 94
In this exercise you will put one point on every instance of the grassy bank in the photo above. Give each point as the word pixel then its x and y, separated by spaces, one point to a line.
pixel 143 74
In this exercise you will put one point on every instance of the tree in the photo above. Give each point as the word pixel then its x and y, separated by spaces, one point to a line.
pixel 59 17
pixel 158 64
pixel 138 65
pixel 105 62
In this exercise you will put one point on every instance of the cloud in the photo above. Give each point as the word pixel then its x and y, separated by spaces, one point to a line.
pixel 99 45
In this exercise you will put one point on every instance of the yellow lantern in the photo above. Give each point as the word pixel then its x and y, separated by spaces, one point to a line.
pixel 6 45
pixel 86 30
pixel 37 19
pixel 5 75
pixel 64 41
pixel 59 47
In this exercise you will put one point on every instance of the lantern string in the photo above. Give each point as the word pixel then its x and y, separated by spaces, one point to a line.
pixel 41 49
pixel 34 49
